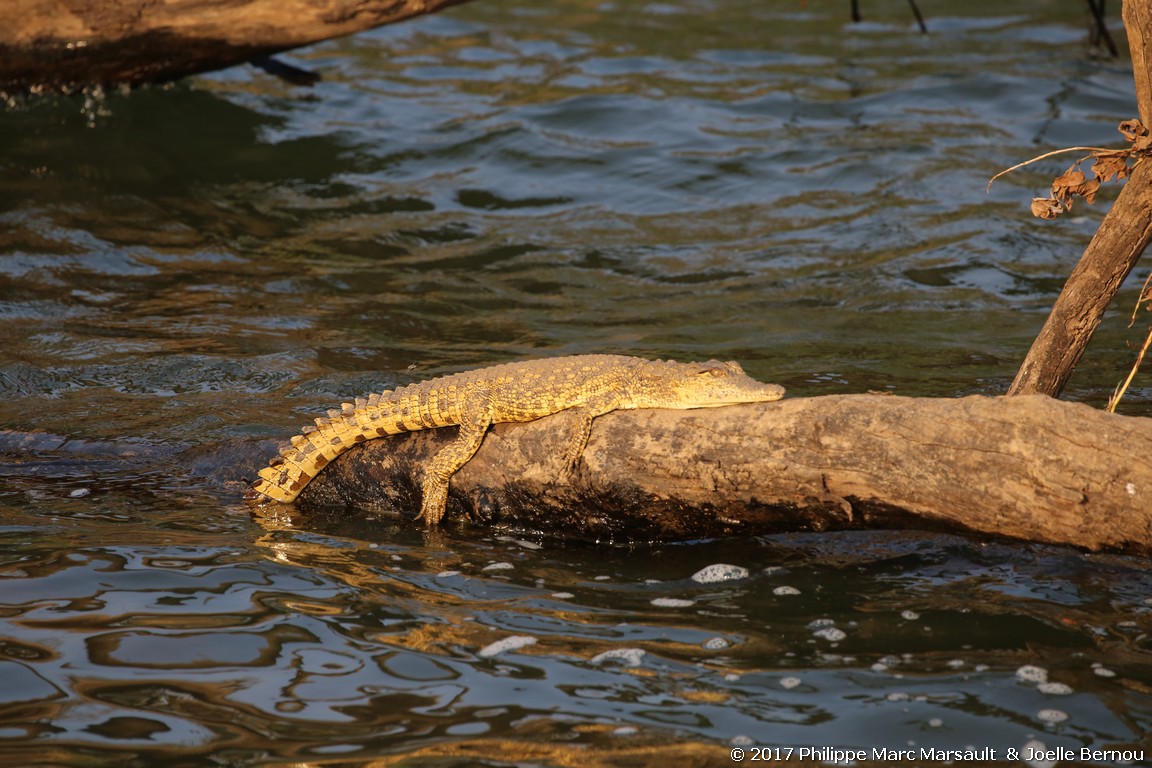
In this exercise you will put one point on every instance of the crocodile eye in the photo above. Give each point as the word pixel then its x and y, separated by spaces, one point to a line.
pixel 714 372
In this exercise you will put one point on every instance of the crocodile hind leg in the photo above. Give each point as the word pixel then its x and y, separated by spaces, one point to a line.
pixel 445 464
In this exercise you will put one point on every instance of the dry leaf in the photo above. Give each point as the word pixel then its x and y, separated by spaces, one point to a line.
pixel 1132 129
pixel 1066 184
pixel 1136 133
pixel 1086 189
pixel 1108 166
pixel 1046 207
pixel 1073 182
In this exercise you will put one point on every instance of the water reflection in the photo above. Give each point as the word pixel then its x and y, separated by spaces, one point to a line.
pixel 312 639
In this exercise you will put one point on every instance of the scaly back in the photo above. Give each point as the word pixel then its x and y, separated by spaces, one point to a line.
pixel 521 391
pixel 512 392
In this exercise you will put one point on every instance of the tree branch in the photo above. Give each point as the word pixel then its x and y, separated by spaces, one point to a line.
pixel 1110 256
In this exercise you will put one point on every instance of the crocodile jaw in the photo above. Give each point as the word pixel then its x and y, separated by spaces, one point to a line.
pixel 714 384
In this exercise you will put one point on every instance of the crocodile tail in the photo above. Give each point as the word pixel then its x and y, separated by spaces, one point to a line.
pixel 309 452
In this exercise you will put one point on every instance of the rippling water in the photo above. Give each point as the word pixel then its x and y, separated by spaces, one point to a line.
pixel 187 271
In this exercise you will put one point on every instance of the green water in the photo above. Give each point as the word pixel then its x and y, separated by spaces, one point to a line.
pixel 190 267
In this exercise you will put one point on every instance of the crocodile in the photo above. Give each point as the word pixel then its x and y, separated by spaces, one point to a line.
pixel 591 385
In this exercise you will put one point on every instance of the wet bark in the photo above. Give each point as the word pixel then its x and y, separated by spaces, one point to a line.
pixel 1110 256
pixel 1028 468
pixel 69 44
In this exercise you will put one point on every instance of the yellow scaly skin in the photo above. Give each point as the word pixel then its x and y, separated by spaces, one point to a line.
pixel 590 384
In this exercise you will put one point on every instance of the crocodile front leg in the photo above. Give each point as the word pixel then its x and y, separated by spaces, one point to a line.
pixel 585 415
pixel 446 462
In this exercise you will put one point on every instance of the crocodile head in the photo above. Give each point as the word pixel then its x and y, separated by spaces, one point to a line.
pixel 700 385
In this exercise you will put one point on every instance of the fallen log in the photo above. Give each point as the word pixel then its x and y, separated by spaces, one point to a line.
pixel 1026 467
pixel 48 46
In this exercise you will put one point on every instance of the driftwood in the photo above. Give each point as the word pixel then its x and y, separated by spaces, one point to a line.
pixel 62 45
pixel 1109 257
pixel 1028 467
